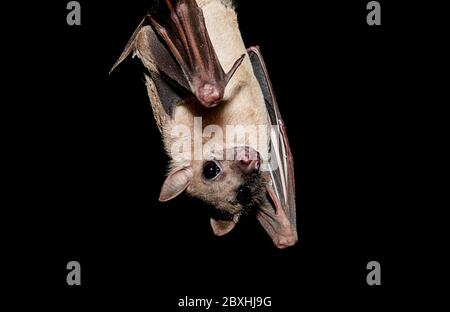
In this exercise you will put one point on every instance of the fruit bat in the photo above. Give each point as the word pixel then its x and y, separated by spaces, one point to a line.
pixel 196 66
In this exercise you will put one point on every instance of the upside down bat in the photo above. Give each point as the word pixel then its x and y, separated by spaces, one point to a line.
pixel 196 65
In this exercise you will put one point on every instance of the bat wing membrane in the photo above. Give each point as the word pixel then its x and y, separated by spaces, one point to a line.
pixel 280 223
pixel 182 51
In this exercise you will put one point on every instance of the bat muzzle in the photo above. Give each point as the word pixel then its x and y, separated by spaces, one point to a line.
pixel 247 159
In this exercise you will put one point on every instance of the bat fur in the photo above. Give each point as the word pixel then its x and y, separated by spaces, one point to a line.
pixel 242 104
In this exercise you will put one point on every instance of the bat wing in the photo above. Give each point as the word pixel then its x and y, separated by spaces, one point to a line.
pixel 182 51
pixel 163 69
pixel 278 215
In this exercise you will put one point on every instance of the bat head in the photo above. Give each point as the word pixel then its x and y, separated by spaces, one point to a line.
pixel 231 184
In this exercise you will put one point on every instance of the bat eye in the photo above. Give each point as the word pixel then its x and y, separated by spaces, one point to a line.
pixel 210 170
pixel 243 195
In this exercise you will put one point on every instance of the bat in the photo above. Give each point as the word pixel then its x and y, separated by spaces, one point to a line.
pixel 184 46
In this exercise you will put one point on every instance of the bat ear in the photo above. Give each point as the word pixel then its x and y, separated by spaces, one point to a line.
pixel 176 183
pixel 222 227
pixel 276 223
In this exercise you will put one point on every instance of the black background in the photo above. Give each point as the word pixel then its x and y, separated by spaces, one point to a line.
pixel 98 165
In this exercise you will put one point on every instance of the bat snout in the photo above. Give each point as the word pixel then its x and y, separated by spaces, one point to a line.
pixel 248 159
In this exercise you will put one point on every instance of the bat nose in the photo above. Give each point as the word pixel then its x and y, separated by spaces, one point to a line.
pixel 249 159
pixel 250 165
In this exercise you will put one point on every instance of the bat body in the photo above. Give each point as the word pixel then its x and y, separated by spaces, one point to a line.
pixel 237 163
